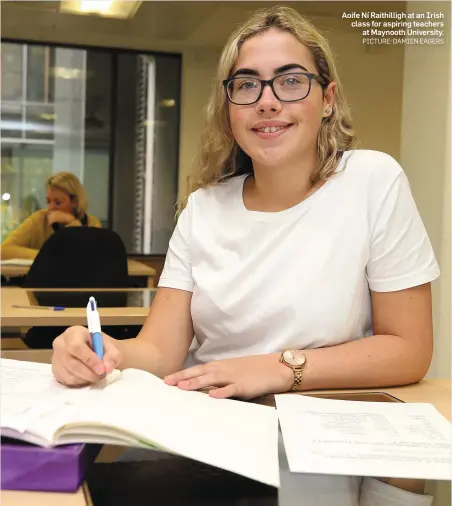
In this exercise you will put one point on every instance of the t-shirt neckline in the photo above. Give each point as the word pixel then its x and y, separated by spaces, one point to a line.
pixel 277 215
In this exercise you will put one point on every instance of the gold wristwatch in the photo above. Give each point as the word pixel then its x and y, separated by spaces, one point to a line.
pixel 296 360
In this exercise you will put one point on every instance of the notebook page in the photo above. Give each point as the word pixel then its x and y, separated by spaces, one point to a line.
pixel 396 440
pixel 29 391
pixel 236 436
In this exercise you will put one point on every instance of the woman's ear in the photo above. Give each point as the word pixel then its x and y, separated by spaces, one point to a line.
pixel 328 99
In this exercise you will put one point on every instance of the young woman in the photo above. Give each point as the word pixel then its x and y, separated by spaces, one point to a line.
pixel 66 207
pixel 289 239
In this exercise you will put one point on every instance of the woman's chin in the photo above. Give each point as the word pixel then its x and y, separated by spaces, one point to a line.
pixel 273 160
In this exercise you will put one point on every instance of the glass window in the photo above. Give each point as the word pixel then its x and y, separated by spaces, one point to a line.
pixel 55 117
pixel 40 81
pixel 146 150
pixel 111 117
pixel 12 59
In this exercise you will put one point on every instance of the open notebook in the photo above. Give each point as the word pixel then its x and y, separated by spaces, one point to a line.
pixel 135 408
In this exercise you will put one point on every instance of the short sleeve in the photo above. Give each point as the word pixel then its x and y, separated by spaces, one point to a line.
pixel 401 255
pixel 177 272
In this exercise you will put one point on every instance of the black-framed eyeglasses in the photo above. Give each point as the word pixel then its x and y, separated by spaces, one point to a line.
pixel 291 87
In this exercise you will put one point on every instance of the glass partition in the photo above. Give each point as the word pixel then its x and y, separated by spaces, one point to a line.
pixel 111 117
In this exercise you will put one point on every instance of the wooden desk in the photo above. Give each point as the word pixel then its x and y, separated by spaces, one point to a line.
pixel 434 391
pixel 18 498
pixel 135 269
pixel 15 317
pixel 139 269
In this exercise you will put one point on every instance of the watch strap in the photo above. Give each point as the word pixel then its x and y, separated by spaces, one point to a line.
pixel 298 378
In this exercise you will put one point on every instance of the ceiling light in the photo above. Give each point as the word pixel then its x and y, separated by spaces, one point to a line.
pixel 109 8
pixel 100 6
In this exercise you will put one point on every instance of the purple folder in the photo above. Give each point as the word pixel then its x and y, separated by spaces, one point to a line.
pixel 29 467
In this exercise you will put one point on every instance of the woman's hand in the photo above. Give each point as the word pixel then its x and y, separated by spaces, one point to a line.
pixel 245 377
pixel 74 362
pixel 59 217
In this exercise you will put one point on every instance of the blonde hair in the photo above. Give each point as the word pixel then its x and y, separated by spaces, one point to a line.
pixel 219 155
pixel 71 185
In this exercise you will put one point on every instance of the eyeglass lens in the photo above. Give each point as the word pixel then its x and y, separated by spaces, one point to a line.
pixel 288 87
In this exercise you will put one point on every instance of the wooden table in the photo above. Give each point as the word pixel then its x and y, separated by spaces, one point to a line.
pixel 139 269
pixel 17 317
pixel 18 498
pixel 135 269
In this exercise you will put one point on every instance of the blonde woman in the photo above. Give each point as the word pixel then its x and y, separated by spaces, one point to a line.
pixel 66 207
pixel 288 239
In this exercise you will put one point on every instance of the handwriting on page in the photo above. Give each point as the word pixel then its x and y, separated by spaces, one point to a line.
pixel 26 378
pixel 28 390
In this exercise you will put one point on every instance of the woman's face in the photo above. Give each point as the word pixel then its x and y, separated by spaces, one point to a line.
pixel 263 56
pixel 58 200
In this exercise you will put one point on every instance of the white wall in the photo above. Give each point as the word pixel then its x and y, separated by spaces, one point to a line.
pixel 425 156
pixel 198 71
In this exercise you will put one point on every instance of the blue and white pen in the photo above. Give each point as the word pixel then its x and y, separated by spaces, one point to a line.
pixel 94 329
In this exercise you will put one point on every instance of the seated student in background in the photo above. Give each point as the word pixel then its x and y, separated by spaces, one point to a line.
pixel 66 207
pixel 289 238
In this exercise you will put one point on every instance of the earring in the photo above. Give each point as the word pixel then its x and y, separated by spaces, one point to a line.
pixel 327 111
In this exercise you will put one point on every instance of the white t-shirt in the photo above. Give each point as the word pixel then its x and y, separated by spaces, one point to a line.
pixel 265 281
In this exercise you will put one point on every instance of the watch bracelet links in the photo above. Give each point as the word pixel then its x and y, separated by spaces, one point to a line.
pixel 298 378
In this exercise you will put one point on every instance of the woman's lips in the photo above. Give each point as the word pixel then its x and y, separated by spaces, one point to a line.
pixel 272 135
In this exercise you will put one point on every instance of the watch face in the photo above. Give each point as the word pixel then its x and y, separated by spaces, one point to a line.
pixel 294 357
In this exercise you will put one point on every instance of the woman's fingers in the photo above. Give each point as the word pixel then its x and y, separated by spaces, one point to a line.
pixel 186 374
pixel 206 380
pixel 80 370
pixel 224 392
pixel 65 375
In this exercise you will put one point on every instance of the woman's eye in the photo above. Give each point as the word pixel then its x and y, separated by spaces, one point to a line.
pixel 247 85
pixel 291 81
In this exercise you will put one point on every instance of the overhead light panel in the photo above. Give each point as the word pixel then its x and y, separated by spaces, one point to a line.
pixel 122 9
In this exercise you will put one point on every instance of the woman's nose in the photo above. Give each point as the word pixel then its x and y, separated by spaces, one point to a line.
pixel 51 206
pixel 268 101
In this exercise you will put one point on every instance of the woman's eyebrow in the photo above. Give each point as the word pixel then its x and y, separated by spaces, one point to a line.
pixel 283 68
pixel 290 66
pixel 245 71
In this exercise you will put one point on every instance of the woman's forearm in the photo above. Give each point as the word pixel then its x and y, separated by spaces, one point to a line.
pixel 9 251
pixel 140 354
pixel 374 361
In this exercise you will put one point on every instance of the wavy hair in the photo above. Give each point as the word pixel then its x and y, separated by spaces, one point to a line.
pixel 71 186
pixel 219 156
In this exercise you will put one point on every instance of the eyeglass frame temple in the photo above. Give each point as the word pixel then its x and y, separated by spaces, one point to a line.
pixel 269 82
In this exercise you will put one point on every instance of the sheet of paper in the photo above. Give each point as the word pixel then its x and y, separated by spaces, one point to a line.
pixel 17 261
pixel 365 438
